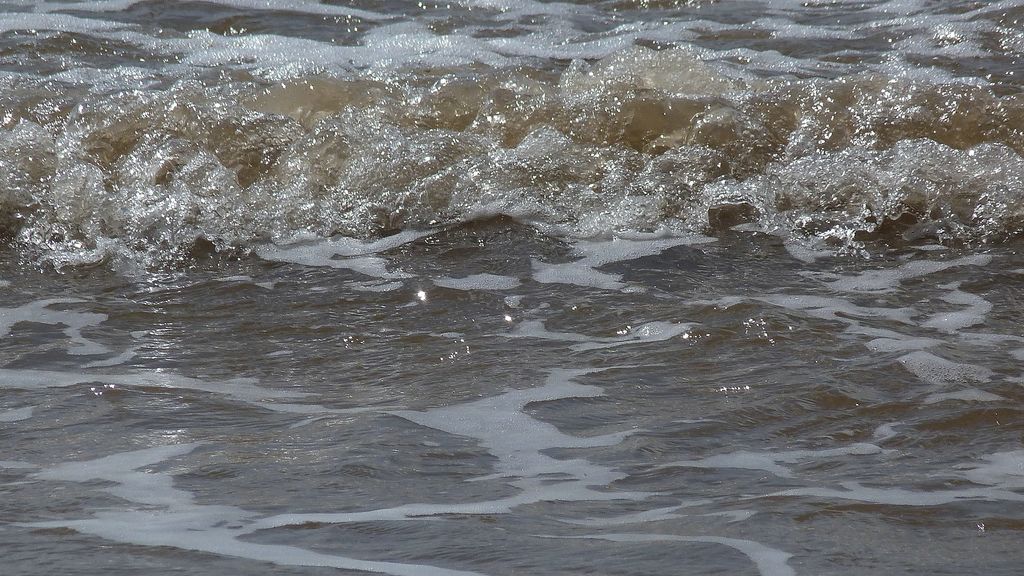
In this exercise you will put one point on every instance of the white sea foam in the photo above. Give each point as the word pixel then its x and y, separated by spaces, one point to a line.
pixel 771 462
pixel 838 309
pixel 375 286
pixel 17 465
pixel 647 332
pixel 478 282
pixel 886 431
pixel 976 308
pixel 967 395
pixel 346 253
pixel 41 312
pixel 902 497
pixel 941 372
pixel 117 360
pixel 519 442
pixel 889 279
pixel 302 6
pixel 16 414
pixel 241 389
pixel 1002 469
pixel 594 254
pixel 769 561
pixel 170 516
pixel 901 344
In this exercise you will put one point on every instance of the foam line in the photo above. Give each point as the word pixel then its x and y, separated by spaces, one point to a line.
pixel 594 254
pixel 649 332
pixel 769 461
pixel 478 282
pixel 901 497
pixel 941 372
pixel 17 414
pixel 171 516
pixel 889 279
pixel 769 561
pixel 886 431
pixel 346 253
pixel 976 308
pixel 1002 469
pixel 40 312
pixel 501 426
pixel 968 395
pixel 654 515
pixel 308 7
pixel 242 389
pixel 829 308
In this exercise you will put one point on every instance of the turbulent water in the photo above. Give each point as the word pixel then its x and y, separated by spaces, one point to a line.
pixel 629 287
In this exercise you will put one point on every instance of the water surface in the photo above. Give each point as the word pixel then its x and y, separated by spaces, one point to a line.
pixel 498 287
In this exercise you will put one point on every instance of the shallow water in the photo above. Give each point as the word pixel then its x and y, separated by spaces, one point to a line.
pixel 511 287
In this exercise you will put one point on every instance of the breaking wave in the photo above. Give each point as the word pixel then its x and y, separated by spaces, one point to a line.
pixel 155 166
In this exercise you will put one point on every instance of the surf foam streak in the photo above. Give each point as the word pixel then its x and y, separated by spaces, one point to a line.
pixel 769 561
pixel 171 517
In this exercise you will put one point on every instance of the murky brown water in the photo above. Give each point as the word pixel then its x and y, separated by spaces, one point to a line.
pixel 499 288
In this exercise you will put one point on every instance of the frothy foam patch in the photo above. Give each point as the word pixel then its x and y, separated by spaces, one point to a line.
pixel 346 253
pixel 245 279
pixel 655 515
pixel 302 6
pixel 976 308
pixel 118 360
pixel 901 344
pixel 968 395
pixel 649 332
pixel 171 516
pixel 769 561
pixel 501 425
pixel 901 497
pixel 594 254
pixel 17 414
pixel 889 279
pixel 518 440
pixel 40 311
pixel 62 22
pixel 1002 469
pixel 479 282
pixel 804 253
pixel 375 286
pixel 838 309
pixel 770 461
pixel 941 372
pixel 886 431
pixel 17 465
pixel 241 389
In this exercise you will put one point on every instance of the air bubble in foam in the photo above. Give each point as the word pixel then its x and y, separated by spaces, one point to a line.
pixel 966 395
pixel 648 332
pixel 941 372
pixel 478 282
pixel 16 414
